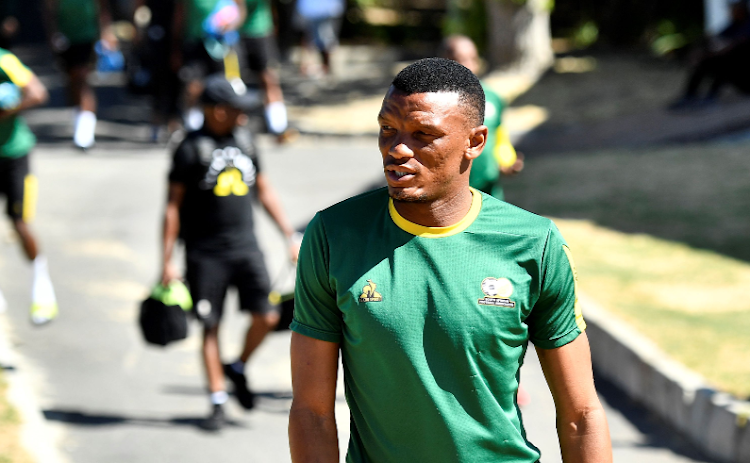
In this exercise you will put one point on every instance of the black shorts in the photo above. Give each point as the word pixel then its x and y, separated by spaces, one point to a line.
pixel 77 55
pixel 260 52
pixel 197 64
pixel 19 188
pixel 209 278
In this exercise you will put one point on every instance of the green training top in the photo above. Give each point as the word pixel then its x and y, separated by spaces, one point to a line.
pixel 78 20
pixel 259 21
pixel 485 173
pixel 196 11
pixel 433 323
pixel 16 139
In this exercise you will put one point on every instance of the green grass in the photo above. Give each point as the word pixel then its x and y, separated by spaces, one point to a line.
pixel 662 241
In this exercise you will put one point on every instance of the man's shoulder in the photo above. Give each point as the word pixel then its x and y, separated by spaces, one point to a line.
pixel 356 209
pixel 507 218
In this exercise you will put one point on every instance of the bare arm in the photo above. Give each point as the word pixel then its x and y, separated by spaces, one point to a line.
pixel 271 203
pixel 581 424
pixel 34 94
pixel 171 230
pixel 313 437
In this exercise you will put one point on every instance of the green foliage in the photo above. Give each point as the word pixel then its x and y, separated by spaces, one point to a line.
pixel 586 34
pixel 467 17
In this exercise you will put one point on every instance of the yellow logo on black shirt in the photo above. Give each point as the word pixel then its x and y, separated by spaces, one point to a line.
pixel 230 182
pixel 369 294
pixel 497 292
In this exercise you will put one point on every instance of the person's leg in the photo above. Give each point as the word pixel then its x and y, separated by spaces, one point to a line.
pixel 262 324
pixel 80 94
pixel 207 280
pixel 262 56
pixel 22 192
pixel 253 284
pixel 212 359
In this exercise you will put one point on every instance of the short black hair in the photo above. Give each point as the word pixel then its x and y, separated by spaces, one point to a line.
pixel 432 75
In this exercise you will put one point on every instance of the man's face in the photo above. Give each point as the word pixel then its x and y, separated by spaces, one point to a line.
pixel 426 143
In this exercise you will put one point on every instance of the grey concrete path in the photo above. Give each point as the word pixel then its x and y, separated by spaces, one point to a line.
pixel 109 398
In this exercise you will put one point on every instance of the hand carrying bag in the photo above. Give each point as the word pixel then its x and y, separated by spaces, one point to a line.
pixel 163 316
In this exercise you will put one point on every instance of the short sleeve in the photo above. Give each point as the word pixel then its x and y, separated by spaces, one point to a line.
pixel 556 318
pixel 182 161
pixel 15 70
pixel 316 313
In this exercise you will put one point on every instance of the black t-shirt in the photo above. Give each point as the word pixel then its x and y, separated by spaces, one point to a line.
pixel 216 217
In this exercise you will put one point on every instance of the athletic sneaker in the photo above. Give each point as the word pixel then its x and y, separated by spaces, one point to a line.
pixel 43 313
pixel 241 391
pixel 216 420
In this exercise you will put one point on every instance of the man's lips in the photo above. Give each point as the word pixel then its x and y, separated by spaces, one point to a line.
pixel 399 174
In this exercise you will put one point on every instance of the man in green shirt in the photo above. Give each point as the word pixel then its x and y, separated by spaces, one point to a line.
pixel 74 26
pixel 21 89
pixel 431 291
pixel 499 156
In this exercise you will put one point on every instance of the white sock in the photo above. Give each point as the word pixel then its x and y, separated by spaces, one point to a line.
pixel 276 117
pixel 219 397
pixel 193 119
pixel 84 129
pixel 42 291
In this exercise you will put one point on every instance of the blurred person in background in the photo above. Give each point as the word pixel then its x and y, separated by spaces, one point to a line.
pixel 20 89
pixel 156 46
pixel 499 156
pixel 725 59
pixel 74 26
pixel 8 23
pixel 321 21
pixel 262 56
pixel 215 177
pixel 204 43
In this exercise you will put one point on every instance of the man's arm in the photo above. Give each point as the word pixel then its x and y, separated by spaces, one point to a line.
pixel 271 203
pixel 34 94
pixel 171 231
pixel 313 437
pixel 581 423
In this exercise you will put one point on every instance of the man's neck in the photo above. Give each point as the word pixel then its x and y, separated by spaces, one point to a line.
pixel 442 212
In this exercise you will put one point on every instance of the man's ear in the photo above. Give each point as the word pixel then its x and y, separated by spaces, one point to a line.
pixel 477 140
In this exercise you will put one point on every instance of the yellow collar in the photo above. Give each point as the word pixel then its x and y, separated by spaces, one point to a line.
pixel 438 232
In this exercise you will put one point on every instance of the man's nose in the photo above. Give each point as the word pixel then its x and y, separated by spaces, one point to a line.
pixel 399 148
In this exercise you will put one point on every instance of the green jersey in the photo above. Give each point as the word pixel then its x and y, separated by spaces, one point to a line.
pixel 16 139
pixel 196 11
pixel 433 323
pixel 259 21
pixel 78 20
pixel 485 172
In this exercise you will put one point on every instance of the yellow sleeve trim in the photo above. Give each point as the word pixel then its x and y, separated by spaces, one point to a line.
pixel 438 232
pixel 15 70
pixel 504 153
pixel 579 313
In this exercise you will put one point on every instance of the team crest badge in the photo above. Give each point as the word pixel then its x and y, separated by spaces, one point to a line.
pixel 369 294
pixel 497 292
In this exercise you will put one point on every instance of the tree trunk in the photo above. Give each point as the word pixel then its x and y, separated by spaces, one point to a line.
pixel 518 36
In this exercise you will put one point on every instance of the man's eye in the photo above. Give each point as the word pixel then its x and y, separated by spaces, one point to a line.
pixel 386 128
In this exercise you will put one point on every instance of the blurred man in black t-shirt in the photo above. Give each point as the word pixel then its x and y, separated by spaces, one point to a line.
pixel 214 177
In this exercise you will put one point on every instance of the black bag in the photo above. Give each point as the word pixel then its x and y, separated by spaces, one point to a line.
pixel 161 323
pixel 286 306
pixel 284 301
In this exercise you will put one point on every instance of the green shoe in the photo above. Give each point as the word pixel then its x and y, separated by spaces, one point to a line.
pixel 42 313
